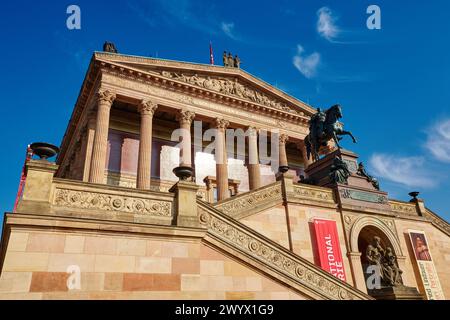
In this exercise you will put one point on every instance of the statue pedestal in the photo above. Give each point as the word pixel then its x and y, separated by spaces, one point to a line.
pixel 357 192
pixel 319 171
pixel 396 293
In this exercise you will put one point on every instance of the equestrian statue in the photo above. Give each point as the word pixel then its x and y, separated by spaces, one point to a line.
pixel 324 126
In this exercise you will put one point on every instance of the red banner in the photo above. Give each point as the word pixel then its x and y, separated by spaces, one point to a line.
pixel 327 239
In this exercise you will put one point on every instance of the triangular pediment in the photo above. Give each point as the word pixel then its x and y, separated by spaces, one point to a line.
pixel 227 81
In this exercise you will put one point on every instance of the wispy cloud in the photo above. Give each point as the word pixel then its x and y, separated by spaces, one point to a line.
pixel 190 14
pixel 71 48
pixel 326 24
pixel 407 171
pixel 228 29
pixel 438 140
pixel 306 64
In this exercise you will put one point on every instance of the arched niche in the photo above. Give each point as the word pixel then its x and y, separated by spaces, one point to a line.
pixel 371 226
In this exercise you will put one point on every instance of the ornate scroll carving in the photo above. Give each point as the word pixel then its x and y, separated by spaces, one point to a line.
pixel 283 138
pixel 221 123
pixel 185 117
pixel 106 96
pixel 111 202
pixel 284 262
pixel 245 203
pixel 147 107
pixel 229 87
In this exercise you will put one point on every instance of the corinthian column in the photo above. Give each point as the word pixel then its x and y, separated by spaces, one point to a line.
pixel 283 163
pixel 105 98
pixel 254 174
pixel 146 109
pixel 185 118
pixel 221 160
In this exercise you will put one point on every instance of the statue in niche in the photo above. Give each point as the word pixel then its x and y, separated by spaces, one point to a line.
pixel 386 263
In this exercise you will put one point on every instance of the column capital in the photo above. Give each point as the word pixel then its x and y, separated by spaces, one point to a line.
pixel 283 138
pixel 221 123
pixel 252 131
pixel 106 96
pixel 147 107
pixel 185 117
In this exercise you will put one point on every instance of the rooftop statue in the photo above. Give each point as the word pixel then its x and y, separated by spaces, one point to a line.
pixel 324 126
pixel 109 47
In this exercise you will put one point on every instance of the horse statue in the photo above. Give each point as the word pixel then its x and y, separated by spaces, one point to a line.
pixel 324 126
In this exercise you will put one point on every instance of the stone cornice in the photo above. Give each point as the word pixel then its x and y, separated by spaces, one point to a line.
pixel 102 63
pixel 188 89
pixel 438 222
pixel 86 92
pixel 213 69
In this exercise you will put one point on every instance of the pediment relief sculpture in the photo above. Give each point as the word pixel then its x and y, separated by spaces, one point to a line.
pixel 231 88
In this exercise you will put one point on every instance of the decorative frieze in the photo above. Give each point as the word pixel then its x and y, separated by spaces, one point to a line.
pixel 230 88
pixel 111 202
pixel 403 208
pixel 284 262
pixel 311 193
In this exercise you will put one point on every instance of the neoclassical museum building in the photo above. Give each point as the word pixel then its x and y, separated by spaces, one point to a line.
pixel 127 211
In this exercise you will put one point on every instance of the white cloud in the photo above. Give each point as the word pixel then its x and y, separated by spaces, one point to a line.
pixel 326 24
pixel 228 29
pixel 438 141
pixel 407 171
pixel 306 64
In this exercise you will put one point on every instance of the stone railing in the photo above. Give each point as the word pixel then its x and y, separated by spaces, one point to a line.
pixel 116 203
pixel 406 208
pixel 438 222
pixel 129 181
pixel 251 202
pixel 280 262
pixel 313 193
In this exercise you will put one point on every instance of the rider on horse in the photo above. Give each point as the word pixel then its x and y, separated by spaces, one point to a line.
pixel 325 126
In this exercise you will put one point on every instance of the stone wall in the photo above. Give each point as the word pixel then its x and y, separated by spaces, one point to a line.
pixel 271 223
pixel 117 266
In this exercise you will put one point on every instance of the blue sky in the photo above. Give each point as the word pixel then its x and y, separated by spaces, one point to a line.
pixel 392 83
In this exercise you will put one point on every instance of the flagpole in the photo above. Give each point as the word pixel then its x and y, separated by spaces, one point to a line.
pixel 211 54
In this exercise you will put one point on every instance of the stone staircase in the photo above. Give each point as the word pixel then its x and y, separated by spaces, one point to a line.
pixel 270 258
